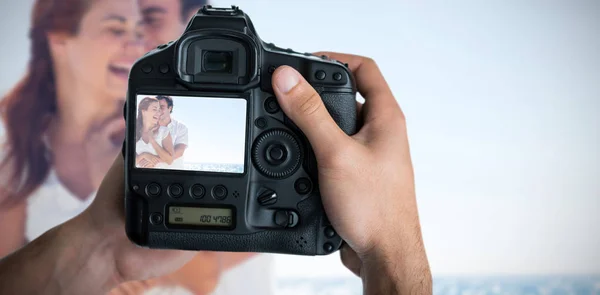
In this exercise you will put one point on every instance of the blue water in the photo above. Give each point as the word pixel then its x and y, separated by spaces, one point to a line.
pixel 519 285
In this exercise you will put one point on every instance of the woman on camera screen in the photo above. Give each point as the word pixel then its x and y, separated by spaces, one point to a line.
pixel 154 146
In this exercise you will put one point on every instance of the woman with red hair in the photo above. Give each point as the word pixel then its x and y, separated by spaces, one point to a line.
pixel 64 126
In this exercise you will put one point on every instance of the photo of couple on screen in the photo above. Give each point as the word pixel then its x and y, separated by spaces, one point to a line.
pixel 164 141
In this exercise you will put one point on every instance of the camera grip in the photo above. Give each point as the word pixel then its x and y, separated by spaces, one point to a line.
pixel 342 108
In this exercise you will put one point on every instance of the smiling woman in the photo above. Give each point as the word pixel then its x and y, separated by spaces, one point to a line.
pixel 64 126
pixel 63 119
pixel 61 98
pixel 154 145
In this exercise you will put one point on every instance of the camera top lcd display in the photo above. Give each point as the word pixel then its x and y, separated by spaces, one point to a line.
pixel 190 133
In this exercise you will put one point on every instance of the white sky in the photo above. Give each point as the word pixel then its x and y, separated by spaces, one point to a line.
pixel 502 100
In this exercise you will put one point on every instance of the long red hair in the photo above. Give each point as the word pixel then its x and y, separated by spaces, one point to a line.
pixel 28 107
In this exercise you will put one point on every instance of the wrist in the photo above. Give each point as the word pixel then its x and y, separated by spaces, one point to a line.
pixel 396 265
pixel 85 259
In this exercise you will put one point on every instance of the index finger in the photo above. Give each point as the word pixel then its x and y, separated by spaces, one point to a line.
pixel 370 81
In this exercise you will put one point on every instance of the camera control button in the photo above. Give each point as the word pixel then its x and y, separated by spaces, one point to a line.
pixel 337 76
pixel 276 154
pixel 267 197
pixel 329 232
pixel 164 68
pixel 219 192
pixel 285 218
pixel 153 189
pixel 197 191
pixel 320 75
pixel 175 190
pixel 303 186
pixel 271 105
pixel 147 68
pixel 260 122
pixel 328 247
pixel 156 218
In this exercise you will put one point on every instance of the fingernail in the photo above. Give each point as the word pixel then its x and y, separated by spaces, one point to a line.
pixel 287 79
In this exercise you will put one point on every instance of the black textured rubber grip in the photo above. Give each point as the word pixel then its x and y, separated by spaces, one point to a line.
pixel 342 107
pixel 302 240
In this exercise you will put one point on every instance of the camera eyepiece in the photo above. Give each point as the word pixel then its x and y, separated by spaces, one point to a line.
pixel 217 61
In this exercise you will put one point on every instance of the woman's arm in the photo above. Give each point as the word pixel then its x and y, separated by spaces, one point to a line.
pixel 12 227
pixel 147 160
pixel 141 161
pixel 165 152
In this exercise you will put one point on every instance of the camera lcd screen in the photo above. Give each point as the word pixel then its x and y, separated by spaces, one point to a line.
pixel 201 216
pixel 190 133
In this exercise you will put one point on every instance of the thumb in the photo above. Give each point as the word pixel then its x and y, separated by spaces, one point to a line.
pixel 303 105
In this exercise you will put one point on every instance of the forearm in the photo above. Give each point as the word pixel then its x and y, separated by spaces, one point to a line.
pixel 162 153
pixel 179 149
pixel 232 259
pixel 394 270
pixel 64 260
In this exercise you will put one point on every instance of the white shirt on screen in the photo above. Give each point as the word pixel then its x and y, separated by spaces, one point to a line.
pixel 146 147
pixel 179 134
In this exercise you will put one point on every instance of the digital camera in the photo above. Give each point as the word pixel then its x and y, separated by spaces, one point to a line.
pixel 229 171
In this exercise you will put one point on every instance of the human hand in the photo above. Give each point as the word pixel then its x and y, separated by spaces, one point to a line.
pixel 104 141
pixel 366 180
pixel 147 160
pixel 148 135
pixel 105 218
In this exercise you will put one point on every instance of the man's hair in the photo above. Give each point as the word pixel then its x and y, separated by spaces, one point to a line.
pixel 168 99
pixel 188 5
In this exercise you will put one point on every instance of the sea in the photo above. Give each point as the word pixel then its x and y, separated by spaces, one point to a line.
pixel 501 285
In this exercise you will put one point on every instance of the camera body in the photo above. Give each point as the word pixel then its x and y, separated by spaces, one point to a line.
pixel 249 180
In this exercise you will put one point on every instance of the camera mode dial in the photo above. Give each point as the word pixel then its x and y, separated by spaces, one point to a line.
pixel 276 153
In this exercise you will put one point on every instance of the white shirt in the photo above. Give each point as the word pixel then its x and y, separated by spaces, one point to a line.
pixel 146 147
pixel 179 134
pixel 51 205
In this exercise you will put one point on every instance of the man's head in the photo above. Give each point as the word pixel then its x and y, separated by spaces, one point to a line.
pixel 166 108
pixel 165 20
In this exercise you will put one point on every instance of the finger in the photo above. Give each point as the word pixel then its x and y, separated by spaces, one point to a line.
pixel 111 193
pixel 371 84
pixel 116 131
pixel 113 183
pixel 304 106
